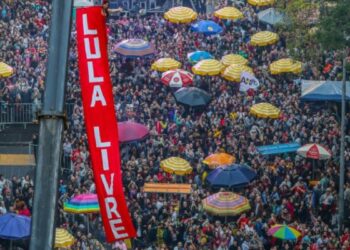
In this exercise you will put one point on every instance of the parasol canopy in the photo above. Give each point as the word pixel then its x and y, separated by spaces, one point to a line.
pixel 218 159
pixel 192 97
pixel 177 78
pixel 199 55
pixel 63 238
pixel 176 165
pixel 284 232
pixel 314 151
pixel 265 110
pixel 233 59
pixel 206 27
pixel 228 13
pixel 180 14
pixel 208 67
pixel 234 71
pixel 261 2
pixel 231 176
pixel 225 204
pixel 5 70
pixel 130 131
pixel 14 227
pixel 164 64
pixel 264 38
pixel 132 48
pixel 82 203
pixel 285 65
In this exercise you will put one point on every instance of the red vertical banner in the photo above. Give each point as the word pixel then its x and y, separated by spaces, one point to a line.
pixel 101 122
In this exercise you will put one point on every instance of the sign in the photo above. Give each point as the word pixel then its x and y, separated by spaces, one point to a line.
pixel 101 122
pixel 248 81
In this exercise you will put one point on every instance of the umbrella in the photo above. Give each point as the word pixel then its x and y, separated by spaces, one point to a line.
pixel 265 110
pixel 271 16
pixel 197 56
pixel 314 151
pixel 261 2
pixel 83 3
pixel 177 78
pixel 132 48
pixel 208 67
pixel 206 27
pixel 225 204
pixel 192 96
pixel 285 65
pixel 234 71
pixel 14 227
pixel 180 15
pixel 176 165
pixel 164 64
pixel 218 159
pixel 131 131
pixel 233 59
pixel 228 13
pixel 63 238
pixel 5 70
pixel 81 204
pixel 231 176
pixel 284 232
pixel 264 38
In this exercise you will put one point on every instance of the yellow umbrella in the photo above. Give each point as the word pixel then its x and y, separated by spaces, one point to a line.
pixel 176 165
pixel 264 38
pixel 63 238
pixel 233 59
pixel 180 15
pixel 234 71
pixel 165 64
pixel 218 159
pixel 5 70
pixel 225 204
pixel 285 65
pixel 228 13
pixel 208 67
pixel 265 110
pixel 261 2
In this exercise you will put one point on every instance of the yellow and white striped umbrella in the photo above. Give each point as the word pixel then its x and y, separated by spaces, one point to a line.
pixel 286 65
pixel 233 72
pixel 176 165
pixel 265 110
pixel 165 64
pixel 180 14
pixel 207 67
pixel 228 13
pixel 261 2
pixel 264 38
pixel 63 238
pixel 5 70
pixel 233 59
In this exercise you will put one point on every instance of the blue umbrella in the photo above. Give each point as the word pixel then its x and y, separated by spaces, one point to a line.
pixel 230 176
pixel 206 27
pixel 198 55
pixel 14 227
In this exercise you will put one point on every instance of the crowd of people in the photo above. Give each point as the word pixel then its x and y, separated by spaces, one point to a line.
pixel 284 190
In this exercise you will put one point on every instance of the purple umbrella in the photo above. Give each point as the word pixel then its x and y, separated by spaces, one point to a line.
pixel 131 131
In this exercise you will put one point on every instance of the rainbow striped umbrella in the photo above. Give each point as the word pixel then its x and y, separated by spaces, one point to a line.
pixel 225 204
pixel 284 232
pixel 83 203
pixel 132 48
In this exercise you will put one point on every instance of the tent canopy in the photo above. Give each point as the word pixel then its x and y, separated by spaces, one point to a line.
pixel 323 90
pixel 278 148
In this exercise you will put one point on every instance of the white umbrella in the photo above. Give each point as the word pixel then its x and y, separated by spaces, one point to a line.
pixel 314 151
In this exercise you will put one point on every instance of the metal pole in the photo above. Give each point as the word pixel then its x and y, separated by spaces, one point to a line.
pixel 51 129
pixel 342 148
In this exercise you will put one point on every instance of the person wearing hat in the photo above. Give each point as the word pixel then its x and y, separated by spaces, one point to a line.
pixel 106 10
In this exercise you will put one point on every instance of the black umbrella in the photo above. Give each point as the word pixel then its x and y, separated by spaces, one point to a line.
pixel 192 97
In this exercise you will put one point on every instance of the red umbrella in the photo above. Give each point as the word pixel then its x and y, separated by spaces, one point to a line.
pixel 177 78
pixel 131 131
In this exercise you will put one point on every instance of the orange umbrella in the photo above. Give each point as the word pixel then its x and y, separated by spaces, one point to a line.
pixel 218 159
